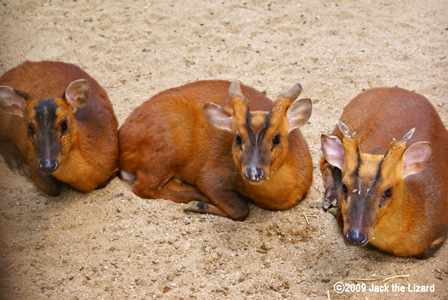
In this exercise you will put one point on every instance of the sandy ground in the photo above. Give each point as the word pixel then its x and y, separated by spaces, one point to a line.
pixel 111 244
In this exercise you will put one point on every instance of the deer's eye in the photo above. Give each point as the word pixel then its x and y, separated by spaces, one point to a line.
pixel 63 126
pixel 386 196
pixel 387 193
pixel 31 129
pixel 344 188
pixel 345 191
pixel 238 140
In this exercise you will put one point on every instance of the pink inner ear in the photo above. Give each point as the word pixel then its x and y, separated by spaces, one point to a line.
pixel 416 158
pixel 78 93
pixel 333 150
pixel 298 113
pixel 11 102
pixel 218 117
pixel 77 101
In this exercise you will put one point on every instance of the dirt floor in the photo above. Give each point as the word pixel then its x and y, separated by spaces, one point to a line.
pixel 111 244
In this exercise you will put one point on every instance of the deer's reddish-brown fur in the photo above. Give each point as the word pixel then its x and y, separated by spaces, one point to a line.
pixel 57 122
pixel 390 193
pixel 175 153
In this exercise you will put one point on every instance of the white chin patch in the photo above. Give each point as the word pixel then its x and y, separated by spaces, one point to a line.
pixel 127 176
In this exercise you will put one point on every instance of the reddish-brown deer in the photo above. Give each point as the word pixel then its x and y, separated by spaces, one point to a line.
pixel 390 193
pixel 57 122
pixel 218 156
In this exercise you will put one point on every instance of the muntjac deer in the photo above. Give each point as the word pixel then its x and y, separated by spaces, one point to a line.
pixel 218 155
pixel 57 122
pixel 390 193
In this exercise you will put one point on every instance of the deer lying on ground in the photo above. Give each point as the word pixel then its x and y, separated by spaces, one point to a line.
pixel 218 146
pixel 57 123
pixel 390 193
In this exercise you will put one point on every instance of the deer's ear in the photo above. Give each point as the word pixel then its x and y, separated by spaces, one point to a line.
pixel 77 94
pixel 299 113
pixel 333 150
pixel 416 157
pixel 218 117
pixel 11 101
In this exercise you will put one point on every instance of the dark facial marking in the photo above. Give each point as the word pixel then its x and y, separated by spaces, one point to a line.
pixel 45 113
pixel 266 124
pixel 249 129
pixel 359 162
pixel 256 139
pixel 378 174
pixel 47 144
pixel 355 173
